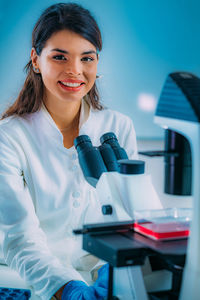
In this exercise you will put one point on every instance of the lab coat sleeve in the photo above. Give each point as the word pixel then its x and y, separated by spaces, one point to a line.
pixel 128 141
pixel 24 243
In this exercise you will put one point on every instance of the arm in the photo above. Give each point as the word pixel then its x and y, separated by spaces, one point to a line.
pixel 24 243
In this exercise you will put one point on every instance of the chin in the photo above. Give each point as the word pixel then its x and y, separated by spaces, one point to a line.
pixel 71 99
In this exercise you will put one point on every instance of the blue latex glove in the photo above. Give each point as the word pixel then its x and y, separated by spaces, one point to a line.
pixel 101 284
pixel 78 290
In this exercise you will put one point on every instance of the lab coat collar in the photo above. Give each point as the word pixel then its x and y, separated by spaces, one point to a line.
pixel 85 111
pixel 47 124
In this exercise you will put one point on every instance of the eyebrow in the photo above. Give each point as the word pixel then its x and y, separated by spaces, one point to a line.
pixel 66 52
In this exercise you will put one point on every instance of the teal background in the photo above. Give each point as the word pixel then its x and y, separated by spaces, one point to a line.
pixel 143 41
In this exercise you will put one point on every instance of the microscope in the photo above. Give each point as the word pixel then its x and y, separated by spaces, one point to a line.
pixel 124 189
pixel 178 111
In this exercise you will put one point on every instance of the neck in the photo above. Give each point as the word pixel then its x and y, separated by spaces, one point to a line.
pixel 65 116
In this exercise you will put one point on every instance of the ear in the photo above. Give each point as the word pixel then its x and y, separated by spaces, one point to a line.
pixel 34 58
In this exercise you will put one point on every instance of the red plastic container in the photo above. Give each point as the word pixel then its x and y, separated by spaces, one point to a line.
pixel 166 224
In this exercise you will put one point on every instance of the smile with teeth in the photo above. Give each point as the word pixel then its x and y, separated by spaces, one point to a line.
pixel 71 84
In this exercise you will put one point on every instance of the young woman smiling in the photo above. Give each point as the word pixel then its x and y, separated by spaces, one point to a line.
pixel 44 195
pixel 68 67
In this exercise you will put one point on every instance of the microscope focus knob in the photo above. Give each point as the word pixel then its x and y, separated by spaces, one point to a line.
pixel 107 209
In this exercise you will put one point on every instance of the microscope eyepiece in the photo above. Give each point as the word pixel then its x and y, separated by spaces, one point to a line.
pixel 109 136
pixel 90 159
pixel 96 160
pixel 109 157
pixel 111 139
pixel 82 139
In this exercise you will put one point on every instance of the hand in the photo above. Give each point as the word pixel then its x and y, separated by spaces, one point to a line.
pixel 78 290
pixel 103 276
pixel 101 284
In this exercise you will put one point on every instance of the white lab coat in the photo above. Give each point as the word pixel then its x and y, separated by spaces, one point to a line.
pixel 44 195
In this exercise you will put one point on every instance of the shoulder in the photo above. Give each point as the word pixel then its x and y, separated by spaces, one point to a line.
pixel 8 130
pixel 108 120
pixel 110 115
pixel 12 126
pixel 9 122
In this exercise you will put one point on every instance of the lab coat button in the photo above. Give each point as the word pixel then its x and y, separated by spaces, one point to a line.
pixel 74 156
pixel 74 168
pixel 76 204
pixel 76 194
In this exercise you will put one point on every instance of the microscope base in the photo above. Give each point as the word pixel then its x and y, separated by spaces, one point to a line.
pixel 126 251
pixel 129 283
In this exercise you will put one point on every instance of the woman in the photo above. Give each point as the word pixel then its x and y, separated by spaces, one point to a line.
pixel 43 193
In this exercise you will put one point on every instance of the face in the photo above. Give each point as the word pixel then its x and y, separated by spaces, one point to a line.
pixel 68 66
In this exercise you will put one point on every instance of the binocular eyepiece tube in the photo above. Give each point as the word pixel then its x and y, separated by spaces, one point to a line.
pixel 111 139
pixel 96 160
pixel 90 159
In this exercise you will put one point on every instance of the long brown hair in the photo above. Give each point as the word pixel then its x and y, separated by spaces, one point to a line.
pixel 57 17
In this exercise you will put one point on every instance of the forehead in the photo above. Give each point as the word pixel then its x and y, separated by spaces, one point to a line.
pixel 69 41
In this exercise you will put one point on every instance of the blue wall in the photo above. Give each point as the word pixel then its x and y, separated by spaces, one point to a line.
pixel 143 41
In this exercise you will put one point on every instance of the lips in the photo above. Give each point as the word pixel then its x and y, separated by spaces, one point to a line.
pixel 71 84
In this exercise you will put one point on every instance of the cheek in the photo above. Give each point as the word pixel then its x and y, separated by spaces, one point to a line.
pixel 48 69
pixel 48 72
pixel 92 72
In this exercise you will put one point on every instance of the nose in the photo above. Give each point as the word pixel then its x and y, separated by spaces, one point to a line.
pixel 73 67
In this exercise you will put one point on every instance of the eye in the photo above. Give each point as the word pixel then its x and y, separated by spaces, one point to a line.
pixel 87 59
pixel 59 57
